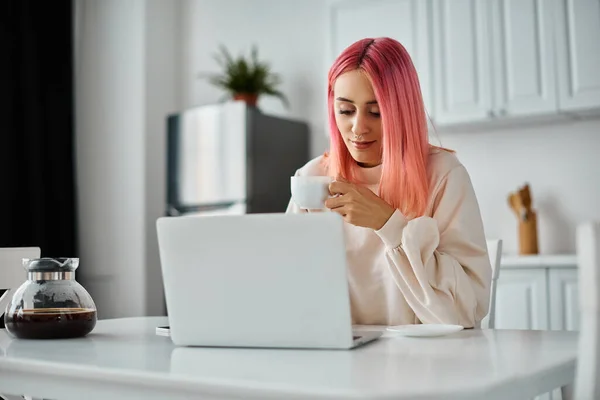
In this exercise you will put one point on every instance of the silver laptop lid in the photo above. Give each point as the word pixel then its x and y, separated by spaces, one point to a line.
pixel 257 280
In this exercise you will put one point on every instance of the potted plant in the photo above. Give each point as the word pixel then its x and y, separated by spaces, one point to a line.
pixel 246 79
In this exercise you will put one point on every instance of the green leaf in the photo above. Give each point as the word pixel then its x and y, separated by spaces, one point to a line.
pixel 241 75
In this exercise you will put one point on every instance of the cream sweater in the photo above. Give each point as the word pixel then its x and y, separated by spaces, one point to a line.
pixel 432 269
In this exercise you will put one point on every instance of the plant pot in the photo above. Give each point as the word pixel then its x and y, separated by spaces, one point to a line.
pixel 249 98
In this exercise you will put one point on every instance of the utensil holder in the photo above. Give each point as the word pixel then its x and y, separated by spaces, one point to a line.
pixel 528 240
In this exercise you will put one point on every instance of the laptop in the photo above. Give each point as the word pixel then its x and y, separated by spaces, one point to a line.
pixel 257 280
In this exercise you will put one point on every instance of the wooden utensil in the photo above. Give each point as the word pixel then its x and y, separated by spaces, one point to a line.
pixel 520 203
pixel 525 196
pixel 514 201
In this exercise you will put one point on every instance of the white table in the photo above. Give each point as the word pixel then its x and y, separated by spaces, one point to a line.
pixel 124 359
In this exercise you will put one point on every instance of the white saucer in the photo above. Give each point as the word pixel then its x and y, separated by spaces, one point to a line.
pixel 425 330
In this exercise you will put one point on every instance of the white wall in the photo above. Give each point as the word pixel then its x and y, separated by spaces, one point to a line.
pixel 561 162
pixel 291 35
pixel 109 64
pixel 138 60
pixel 125 84
pixel 163 57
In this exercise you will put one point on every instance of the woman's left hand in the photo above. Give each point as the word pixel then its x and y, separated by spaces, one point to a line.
pixel 358 205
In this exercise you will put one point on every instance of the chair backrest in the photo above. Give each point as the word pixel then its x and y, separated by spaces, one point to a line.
pixel 587 379
pixel 12 274
pixel 495 253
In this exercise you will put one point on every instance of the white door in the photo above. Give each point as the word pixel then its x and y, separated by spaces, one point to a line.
pixel 578 41
pixel 564 299
pixel 522 299
pixel 523 57
pixel 461 61
pixel 403 20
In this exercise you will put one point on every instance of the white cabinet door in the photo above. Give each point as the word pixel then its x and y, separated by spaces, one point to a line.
pixel 564 303
pixel 461 60
pixel 564 299
pixel 578 47
pixel 523 59
pixel 403 20
pixel 522 299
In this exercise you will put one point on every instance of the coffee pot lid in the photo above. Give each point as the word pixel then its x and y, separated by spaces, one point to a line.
pixel 48 264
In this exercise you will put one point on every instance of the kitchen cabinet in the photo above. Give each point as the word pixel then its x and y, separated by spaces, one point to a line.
pixel 403 20
pixel 491 61
pixel 461 59
pixel 521 299
pixel 541 58
pixel 538 292
pixel 578 53
pixel 523 57
pixel 564 299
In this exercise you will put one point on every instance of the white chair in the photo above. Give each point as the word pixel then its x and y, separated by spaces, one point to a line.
pixel 495 253
pixel 587 378
pixel 12 275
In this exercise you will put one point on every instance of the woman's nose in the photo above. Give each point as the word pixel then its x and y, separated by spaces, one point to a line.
pixel 359 125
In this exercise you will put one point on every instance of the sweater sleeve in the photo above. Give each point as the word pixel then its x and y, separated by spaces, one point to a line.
pixel 440 263
pixel 292 208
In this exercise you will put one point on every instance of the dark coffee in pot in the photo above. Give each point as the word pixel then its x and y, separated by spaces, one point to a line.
pixel 51 323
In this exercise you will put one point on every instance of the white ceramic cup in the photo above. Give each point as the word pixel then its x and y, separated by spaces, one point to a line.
pixel 310 192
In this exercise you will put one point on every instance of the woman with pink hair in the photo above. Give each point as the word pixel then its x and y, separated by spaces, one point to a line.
pixel 415 243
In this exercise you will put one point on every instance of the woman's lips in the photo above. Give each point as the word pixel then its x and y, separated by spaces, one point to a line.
pixel 362 145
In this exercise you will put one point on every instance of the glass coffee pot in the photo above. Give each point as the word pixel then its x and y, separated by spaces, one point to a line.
pixel 50 304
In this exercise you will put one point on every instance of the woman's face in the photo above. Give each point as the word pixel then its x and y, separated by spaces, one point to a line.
pixel 357 117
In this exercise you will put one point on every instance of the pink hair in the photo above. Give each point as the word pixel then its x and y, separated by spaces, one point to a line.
pixel 405 144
